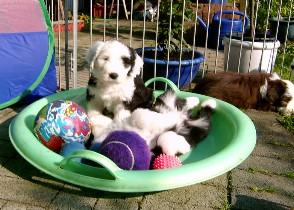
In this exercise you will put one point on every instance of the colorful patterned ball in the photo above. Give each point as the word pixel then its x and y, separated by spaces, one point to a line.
pixel 62 122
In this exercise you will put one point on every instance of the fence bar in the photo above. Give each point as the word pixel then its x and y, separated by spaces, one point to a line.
pixel 131 22
pixel 265 33
pixel 156 38
pixel 75 42
pixel 206 37
pixel 59 44
pixel 253 33
pixel 144 30
pixel 230 40
pixel 181 44
pixel 66 46
pixel 194 41
pixel 285 46
pixel 276 37
pixel 91 22
pixel 218 34
pixel 169 39
pixel 52 12
pixel 104 21
pixel 242 36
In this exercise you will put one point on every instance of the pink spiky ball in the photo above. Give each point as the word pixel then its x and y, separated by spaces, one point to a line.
pixel 164 161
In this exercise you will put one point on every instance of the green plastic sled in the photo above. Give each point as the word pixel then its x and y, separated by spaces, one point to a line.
pixel 230 142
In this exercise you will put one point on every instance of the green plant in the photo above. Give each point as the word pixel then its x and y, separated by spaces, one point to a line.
pixel 264 10
pixel 263 189
pixel 289 174
pixel 176 13
pixel 287 121
pixel 85 18
pixel 283 61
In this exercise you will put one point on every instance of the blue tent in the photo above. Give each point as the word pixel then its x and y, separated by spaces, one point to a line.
pixel 27 65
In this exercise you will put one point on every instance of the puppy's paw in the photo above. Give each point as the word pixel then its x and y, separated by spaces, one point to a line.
pixel 97 119
pixel 192 102
pixel 122 115
pixel 209 103
pixel 99 124
pixel 172 144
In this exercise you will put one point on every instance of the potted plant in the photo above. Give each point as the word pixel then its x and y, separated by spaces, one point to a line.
pixel 285 23
pixel 178 65
pixel 86 22
pixel 281 23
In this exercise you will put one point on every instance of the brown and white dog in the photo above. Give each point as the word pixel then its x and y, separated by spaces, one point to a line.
pixel 261 91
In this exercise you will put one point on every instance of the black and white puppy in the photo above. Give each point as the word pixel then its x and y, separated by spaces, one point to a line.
pixel 169 125
pixel 115 87
pixel 191 127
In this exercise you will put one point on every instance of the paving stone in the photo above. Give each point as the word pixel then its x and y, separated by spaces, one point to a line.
pixel 272 151
pixel 27 192
pixel 261 189
pixel 268 129
pixel 65 200
pixel 192 197
pixel 6 115
pixel 131 203
pixel 218 181
pixel 267 165
pixel 20 206
pixel 2 203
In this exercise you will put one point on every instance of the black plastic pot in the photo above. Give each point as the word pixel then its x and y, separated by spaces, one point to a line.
pixel 282 29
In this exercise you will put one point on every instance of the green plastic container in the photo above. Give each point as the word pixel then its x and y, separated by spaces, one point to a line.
pixel 230 142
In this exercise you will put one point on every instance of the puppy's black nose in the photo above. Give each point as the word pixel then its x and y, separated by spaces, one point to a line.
pixel 113 75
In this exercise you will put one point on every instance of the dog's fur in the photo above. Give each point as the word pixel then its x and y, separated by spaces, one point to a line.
pixel 115 87
pixel 169 124
pixel 254 90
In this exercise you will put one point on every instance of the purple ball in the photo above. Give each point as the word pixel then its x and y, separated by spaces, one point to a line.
pixel 127 149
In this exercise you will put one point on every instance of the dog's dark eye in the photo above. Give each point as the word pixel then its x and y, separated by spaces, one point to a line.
pixel 106 58
pixel 127 61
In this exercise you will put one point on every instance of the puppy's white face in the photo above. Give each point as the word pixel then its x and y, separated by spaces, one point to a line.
pixel 113 62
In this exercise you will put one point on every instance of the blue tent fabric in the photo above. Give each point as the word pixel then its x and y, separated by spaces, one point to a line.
pixel 47 86
pixel 27 66
pixel 22 57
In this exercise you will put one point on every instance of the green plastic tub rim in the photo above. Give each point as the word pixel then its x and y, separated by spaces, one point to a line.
pixel 230 142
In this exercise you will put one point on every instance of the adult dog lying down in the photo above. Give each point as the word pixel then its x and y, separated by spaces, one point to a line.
pixel 261 91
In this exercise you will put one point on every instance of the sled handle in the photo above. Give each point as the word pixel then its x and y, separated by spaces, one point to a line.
pixel 165 80
pixel 102 160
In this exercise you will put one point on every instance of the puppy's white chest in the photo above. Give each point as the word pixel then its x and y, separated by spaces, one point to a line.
pixel 114 96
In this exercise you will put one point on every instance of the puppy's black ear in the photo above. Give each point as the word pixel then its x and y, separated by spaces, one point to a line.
pixel 93 53
pixel 137 63
pixel 143 96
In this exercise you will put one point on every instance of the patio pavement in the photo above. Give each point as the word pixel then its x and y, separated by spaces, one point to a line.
pixel 263 181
